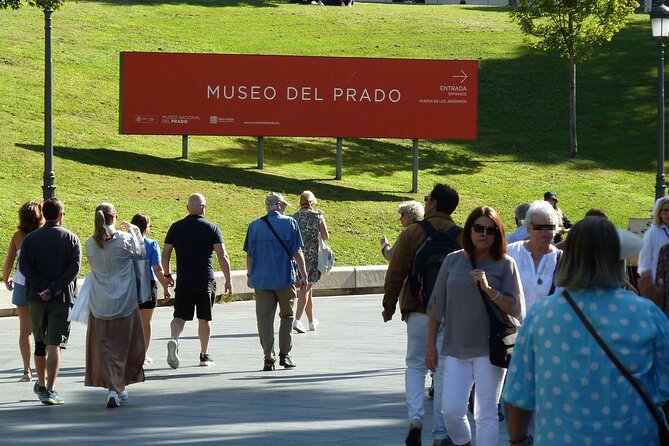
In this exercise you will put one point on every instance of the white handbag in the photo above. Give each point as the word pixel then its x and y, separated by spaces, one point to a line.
pixel 81 308
pixel 326 257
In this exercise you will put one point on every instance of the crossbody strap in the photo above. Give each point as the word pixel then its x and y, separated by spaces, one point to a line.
pixel 557 263
pixel 614 360
pixel 266 220
pixel 486 299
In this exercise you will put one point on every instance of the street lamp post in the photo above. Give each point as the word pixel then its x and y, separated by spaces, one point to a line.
pixel 659 23
pixel 49 187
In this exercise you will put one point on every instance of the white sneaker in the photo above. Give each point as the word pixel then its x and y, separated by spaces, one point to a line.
pixel 148 360
pixel 123 396
pixel 298 327
pixel 112 399
pixel 313 324
pixel 173 353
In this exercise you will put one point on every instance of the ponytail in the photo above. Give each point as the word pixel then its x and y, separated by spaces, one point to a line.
pixel 100 233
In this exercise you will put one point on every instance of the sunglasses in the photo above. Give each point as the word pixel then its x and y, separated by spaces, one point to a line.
pixel 543 227
pixel 488 230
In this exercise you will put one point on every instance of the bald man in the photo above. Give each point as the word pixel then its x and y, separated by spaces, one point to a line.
pixel 195 240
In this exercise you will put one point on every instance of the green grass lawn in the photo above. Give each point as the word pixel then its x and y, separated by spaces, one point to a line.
pixel 522 150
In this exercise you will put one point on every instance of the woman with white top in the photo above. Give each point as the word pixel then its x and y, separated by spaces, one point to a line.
pixel 655 238
pixel 30 218
pixel 537 258
pixel 115 340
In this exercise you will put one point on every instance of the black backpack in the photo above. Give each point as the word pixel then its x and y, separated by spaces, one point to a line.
pixel 429 257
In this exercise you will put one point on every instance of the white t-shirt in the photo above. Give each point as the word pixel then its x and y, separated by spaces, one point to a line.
pixel 537 283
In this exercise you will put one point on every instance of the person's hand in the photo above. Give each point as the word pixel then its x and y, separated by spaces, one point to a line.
pixel 166 294
pixel 304 284
pixel 125 225
pixel 10 285
pixel 431 358
pixel 479 277
pixel 651 290
pixel 228 287
pixel 386 316
pixel 45 295
pixel 169 281
pixel 384 241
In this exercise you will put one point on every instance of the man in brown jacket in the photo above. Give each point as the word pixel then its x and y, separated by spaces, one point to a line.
pixel 439 205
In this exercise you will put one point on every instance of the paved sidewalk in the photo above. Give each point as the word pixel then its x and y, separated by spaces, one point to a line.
pixel 348 387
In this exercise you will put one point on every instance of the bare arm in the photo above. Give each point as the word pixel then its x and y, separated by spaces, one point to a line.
pixel 322 227
pixel 302 268
pixel 431 355
pixel 9 263
pixel 224 261
pixel 158 271
pixel 165 260
pixel 519 420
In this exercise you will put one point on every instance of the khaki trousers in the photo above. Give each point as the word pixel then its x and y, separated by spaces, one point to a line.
pixel 266 303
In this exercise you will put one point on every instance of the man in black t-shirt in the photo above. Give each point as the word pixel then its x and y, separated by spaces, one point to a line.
pixel 194 239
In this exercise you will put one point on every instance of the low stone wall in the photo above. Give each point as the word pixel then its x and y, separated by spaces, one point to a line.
pixel 341 280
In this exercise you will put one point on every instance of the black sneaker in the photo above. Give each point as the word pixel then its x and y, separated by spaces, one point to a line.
pixel 206 360
pixel 286 361
pixel 269 365
pixel 415 433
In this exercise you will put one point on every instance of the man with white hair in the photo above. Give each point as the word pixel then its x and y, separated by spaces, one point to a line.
pixel 273 247
pixel 194 239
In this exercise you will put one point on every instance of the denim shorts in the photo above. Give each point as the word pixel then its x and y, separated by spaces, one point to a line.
pixel 19 296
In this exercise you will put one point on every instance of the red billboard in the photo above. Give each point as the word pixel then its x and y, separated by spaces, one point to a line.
pixel 251 95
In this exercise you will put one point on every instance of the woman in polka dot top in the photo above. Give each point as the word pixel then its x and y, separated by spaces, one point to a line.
pixel 560 374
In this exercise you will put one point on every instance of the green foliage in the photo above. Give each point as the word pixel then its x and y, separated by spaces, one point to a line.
pixel 42 4
pixel 552 24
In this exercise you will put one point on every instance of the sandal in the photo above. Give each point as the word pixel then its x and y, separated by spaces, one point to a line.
pixel 27 377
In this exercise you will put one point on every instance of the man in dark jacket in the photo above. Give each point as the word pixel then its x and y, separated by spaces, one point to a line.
pixel 439 205
pixel 50 260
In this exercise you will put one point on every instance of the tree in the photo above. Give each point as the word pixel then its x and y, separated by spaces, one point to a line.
pixel 572 28
pixel 48 6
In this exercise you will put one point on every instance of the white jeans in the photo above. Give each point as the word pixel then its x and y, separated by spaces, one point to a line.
pixel 459 376
pixel 414 377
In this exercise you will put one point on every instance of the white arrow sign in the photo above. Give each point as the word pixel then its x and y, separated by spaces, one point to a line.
pixel 463 76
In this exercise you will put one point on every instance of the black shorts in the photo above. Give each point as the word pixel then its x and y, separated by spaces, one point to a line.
pixel 194 294
pixel 151 304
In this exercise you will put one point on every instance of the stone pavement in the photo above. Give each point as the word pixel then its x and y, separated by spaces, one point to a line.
pixel 348 387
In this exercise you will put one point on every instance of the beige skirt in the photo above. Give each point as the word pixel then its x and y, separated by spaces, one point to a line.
pixel 114 352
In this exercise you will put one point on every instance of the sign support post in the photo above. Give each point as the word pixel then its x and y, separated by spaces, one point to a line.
pixel 414 182
pixel 340 142
pixel 184 147
pixel 261 151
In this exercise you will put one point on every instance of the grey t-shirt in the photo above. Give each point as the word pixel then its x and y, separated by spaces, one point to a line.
pixel 456 302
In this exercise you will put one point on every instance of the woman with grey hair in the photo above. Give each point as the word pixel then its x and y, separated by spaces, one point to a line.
pixel 410 212
pixel 537 258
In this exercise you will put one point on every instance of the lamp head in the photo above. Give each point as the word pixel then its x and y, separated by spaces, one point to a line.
pixel 659 21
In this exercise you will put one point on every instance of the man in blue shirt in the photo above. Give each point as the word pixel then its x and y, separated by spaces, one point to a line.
pixel 273 247
pixel 194 239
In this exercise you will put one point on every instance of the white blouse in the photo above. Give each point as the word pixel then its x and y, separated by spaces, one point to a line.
pixel 537 282
pixel 655 238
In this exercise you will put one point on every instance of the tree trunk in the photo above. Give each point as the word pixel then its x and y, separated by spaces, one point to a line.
pixel 572 92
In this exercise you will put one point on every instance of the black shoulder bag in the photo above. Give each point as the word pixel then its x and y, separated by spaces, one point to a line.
pixel 285 248
pixel 663 430
pixel 502 332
